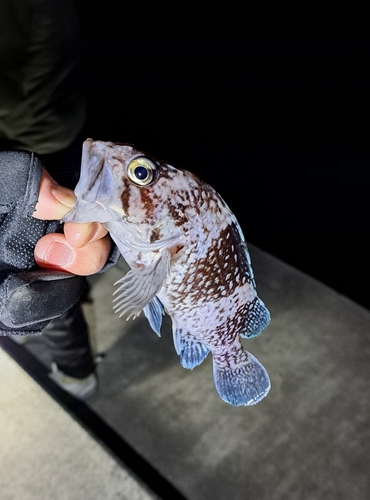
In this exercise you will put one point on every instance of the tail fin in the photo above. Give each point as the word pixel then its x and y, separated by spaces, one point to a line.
pixel 240 380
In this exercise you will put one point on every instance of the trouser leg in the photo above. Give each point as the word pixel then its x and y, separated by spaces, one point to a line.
pixel 67 338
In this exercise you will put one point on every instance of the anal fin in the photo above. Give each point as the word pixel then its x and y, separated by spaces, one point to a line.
pixel 192 352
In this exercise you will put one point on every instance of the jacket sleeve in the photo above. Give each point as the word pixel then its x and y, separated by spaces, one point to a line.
pixel 29 296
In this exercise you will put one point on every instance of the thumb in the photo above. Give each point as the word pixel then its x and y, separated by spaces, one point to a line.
pixel 55 201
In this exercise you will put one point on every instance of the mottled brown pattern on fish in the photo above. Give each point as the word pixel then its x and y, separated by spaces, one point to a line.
pixel 218 274
pixel 190 199
pixel 165 171
pixel 226 332
pixel 125 196
pixel 232 249
pixel 178 213
pixel 155 235
pixel 147 200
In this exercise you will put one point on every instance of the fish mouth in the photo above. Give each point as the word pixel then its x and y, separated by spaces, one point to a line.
pixel 98 163
pixel 92 171
pixel 97 189
pixel 85 211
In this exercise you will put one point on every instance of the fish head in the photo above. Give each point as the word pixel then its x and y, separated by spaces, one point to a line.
pixel 128 191
pixel 111 179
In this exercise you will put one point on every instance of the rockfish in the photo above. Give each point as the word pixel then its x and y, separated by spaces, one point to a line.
pixel 188 258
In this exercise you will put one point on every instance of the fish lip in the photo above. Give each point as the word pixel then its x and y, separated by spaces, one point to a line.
pixel 82 212
pixel 86 211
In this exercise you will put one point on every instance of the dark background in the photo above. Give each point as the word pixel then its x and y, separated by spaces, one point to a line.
pixel 269 107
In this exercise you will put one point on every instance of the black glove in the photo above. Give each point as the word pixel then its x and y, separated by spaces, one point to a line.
pixel 29 296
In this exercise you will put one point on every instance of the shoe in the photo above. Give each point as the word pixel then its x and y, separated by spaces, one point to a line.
pixel 19 339
pixel 81 388
pixel 22 339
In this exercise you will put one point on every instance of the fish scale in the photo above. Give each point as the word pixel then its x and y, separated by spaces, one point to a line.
pixel 188 258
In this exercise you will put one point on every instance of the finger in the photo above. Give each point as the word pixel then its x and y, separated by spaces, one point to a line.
pixel 80 235
pixel 54 201
pixel 53 251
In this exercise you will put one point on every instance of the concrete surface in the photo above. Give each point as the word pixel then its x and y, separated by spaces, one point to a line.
pixel 309 439
pixel 45 454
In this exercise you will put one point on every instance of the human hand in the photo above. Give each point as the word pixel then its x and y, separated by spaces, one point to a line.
pixel 83 248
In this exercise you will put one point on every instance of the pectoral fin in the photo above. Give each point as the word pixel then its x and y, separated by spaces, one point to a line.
pixel 139 286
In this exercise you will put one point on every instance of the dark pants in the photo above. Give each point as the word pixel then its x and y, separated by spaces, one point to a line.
pixel 68 341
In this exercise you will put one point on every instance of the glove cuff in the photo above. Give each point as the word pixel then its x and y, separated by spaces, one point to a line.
pixel 25 294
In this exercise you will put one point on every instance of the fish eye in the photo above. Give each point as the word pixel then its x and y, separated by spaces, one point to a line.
pixel 141 171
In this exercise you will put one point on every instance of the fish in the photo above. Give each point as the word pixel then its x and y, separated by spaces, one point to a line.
pixel 188 258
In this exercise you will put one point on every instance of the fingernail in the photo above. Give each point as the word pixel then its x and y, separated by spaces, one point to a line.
pixel 64 196
pixel 59 254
